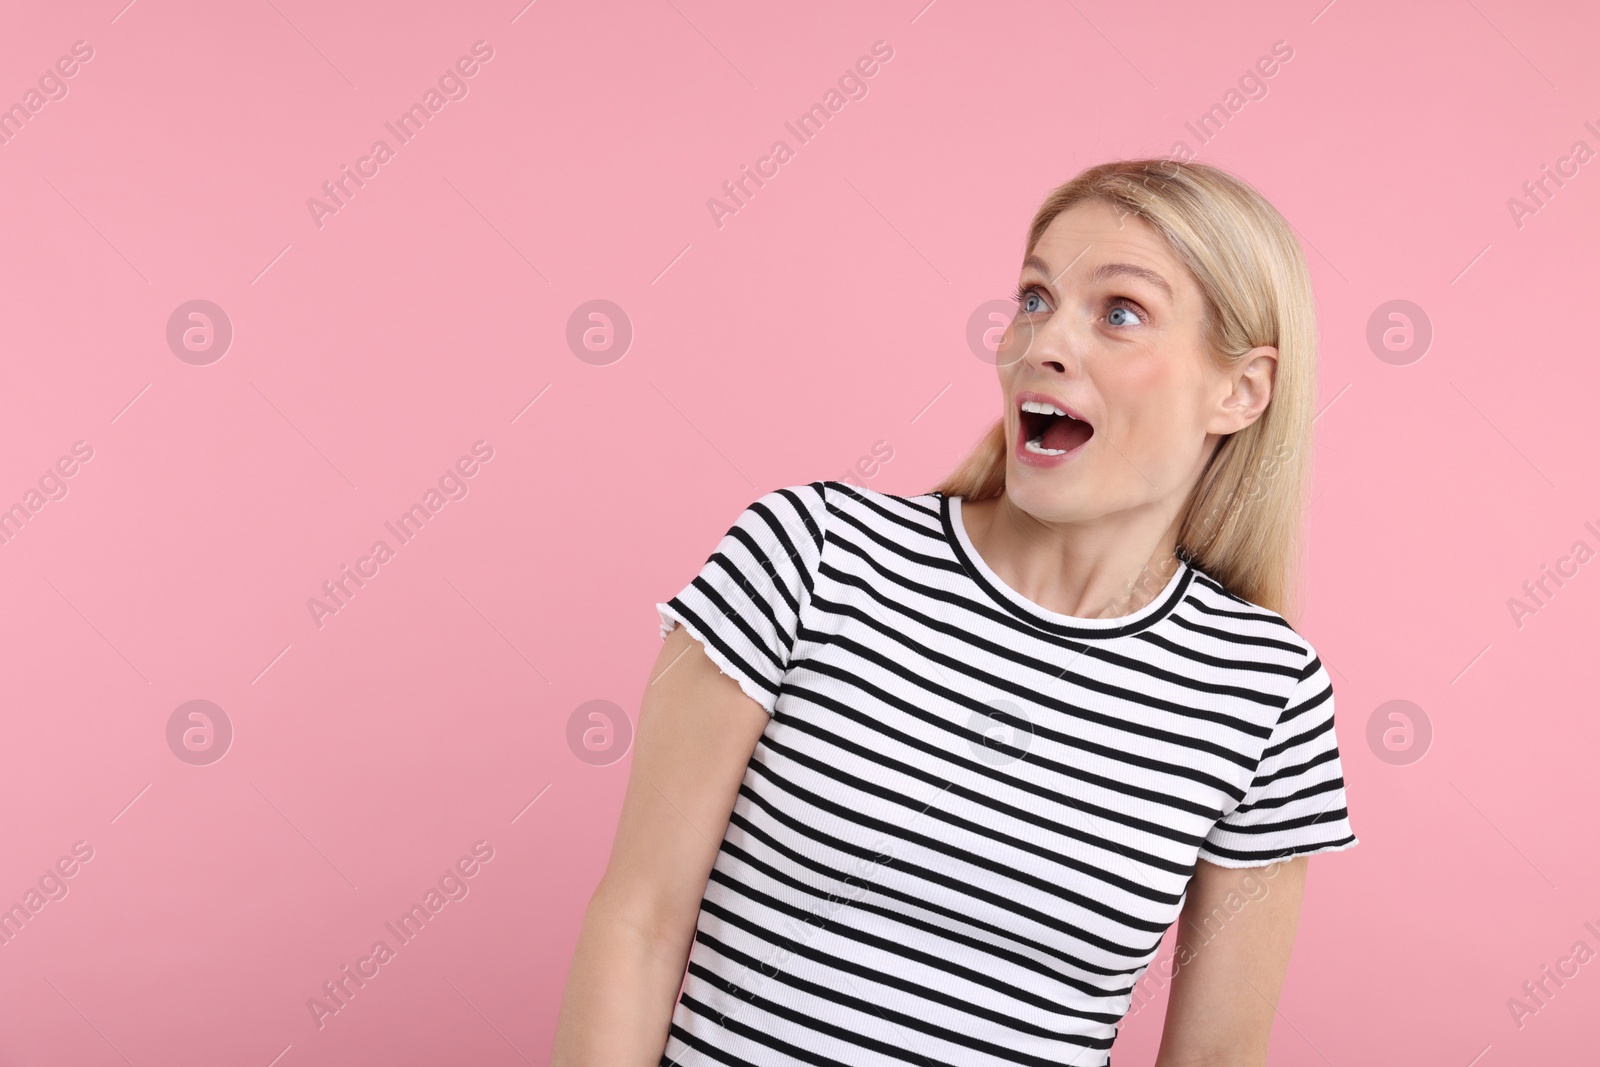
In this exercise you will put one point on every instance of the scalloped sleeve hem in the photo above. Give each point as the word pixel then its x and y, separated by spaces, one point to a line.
pixel 1246 859
pixel 671 616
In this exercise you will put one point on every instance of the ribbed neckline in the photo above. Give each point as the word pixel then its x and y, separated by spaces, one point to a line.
pixel 1065 625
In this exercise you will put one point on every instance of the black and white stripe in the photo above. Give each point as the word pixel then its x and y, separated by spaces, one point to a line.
pixel 970 819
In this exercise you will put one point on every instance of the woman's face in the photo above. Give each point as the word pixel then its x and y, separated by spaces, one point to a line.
pixel 1108 330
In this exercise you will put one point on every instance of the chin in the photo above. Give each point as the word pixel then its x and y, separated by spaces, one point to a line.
pixel 1045 494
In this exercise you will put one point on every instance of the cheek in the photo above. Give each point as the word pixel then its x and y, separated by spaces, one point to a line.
pixel 1135 380
pixel 1151 408
pixel 1007 376
pixel 1140 392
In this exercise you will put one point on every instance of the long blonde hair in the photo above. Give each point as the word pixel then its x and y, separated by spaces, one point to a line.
pixel 1242 522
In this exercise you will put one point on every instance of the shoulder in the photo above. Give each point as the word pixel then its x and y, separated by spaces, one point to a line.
pixel 798 511
pixel 813 504
pixel 1252 624
pixel 791 517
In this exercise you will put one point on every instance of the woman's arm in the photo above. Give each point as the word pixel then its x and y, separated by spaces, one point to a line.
pixel 696 732
pixel 1234 938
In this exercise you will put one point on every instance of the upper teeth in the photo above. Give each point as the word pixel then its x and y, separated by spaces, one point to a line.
pixel 1041 407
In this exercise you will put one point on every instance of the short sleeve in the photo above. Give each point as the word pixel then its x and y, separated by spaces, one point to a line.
pixel 745 604
pixel 1295 805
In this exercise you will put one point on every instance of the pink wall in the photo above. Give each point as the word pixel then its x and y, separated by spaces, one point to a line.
pixel 374 347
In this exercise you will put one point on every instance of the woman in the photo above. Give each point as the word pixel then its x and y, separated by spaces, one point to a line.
pixel 923 780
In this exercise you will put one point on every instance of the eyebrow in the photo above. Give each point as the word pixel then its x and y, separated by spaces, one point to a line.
pixel 1107 271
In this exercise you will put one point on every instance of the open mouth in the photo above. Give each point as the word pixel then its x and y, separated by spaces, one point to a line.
pixel 1047 429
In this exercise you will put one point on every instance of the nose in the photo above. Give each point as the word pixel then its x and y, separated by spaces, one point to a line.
pixel 1047 347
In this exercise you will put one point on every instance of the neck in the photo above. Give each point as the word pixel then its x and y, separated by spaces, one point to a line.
pixel 1102 570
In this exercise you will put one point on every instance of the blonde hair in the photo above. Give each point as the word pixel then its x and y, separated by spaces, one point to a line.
pixel 1242 522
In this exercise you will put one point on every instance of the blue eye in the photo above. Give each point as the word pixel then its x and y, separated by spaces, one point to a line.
pixel 1127 307
pixel 1030 301
pixel 1022 296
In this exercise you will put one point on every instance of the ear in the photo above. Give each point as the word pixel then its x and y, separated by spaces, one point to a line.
pixel 1249 385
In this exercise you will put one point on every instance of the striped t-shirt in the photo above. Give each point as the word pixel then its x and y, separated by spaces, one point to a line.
pixel 970 819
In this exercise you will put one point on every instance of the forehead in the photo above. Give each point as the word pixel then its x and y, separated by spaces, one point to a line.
pixel 1093 233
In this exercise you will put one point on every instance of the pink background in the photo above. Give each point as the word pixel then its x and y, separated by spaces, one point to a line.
pixel 827 315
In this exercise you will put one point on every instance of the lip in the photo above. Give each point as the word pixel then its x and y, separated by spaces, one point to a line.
pixel 1033 459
